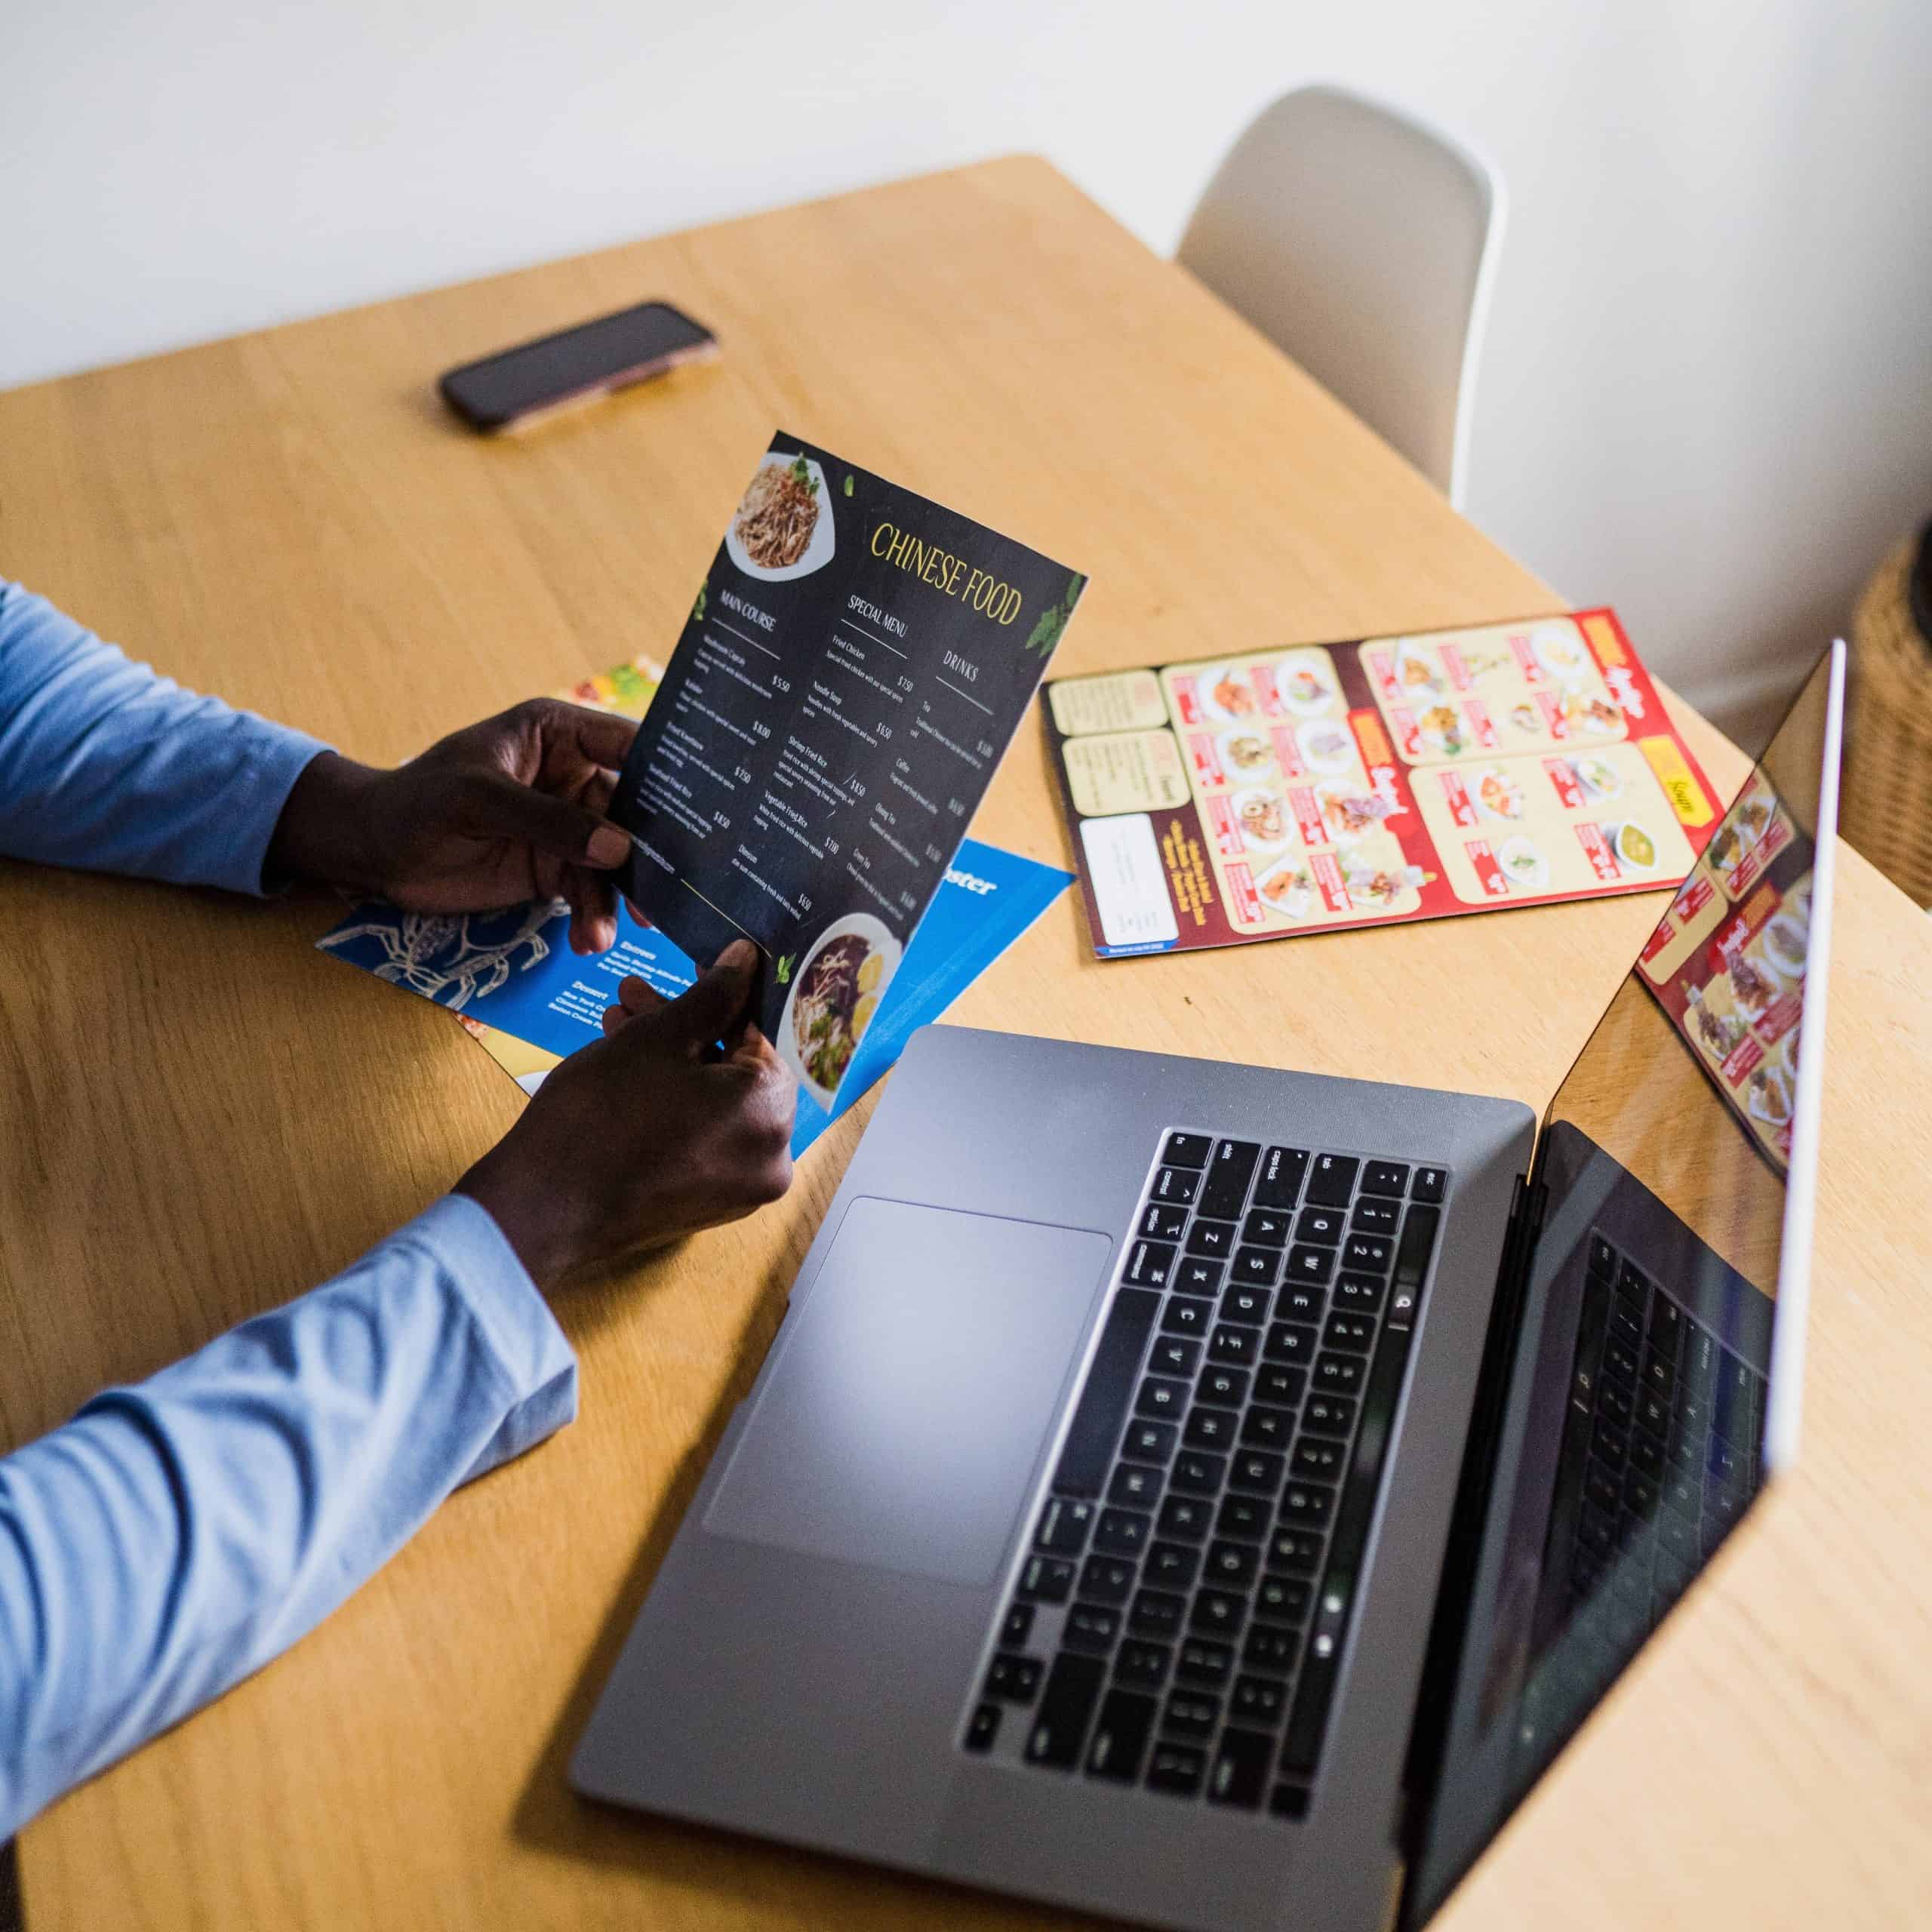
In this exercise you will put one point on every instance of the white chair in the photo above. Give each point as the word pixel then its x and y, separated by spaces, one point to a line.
pixel 1363 242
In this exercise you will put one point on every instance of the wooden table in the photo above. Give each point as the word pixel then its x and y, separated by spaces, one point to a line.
pixel 203 1116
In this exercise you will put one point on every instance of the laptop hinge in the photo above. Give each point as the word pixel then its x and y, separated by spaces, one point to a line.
pixel 1442 1661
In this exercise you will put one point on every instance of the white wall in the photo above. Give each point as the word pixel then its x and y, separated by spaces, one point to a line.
pixel 1707 395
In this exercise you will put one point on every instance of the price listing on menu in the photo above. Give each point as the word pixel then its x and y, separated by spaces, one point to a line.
pixel 851 671
pixel 1312 787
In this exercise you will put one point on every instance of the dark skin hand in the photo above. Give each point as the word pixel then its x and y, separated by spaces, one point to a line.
pixel 507 811
pixel 653 1132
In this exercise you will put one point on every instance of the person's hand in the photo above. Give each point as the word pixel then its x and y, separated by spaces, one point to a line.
pixel 506 811
pixel 679 1119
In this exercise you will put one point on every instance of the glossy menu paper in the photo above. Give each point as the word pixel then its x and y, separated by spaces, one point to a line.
pixel 1316 787
pixel 851 671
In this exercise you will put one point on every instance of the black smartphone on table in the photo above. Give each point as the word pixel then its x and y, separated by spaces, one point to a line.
pixel 574 364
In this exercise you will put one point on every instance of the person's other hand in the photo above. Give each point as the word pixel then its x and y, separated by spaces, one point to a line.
pixel 679 1119
pixel 506 811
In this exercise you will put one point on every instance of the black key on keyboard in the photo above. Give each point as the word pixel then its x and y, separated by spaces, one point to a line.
pixel 1188 1150
pixel 1247 1516
pixel 1135 1488
pixel 1176 1187
pixel 1265 1227
pixel 1339 1374
pixel 1269 1647
pixel 1283 1599
pixel 1244 1303
pixel 1161 1222
pixel 1318 1459
pixel 1122 1532
pixel 1091 1626
pixel 1333 1180
pixel 1157 1613
pixel 1197 1473
pixel 1300 1301
pixel 1267 1428
pixel 1279 1183
pixel 1197 1277
pixel 1120 1737
pixel 1229 1171
pixel 1330 1415
pixel 1368 1253
pixel 1151 1441
pixel 1205 1661
pixel 1186 1317
pixel 1360 1294
pixel 1238 1347
pixel 1375 1217
pixel 1602 1258
pixel 1320 1224
pixel 1019 1624
pixel 1186 1516
pixel 1290 1343
pixel 1288 1801
pixel 1015 1679
pixel 1354 1332
pixel 1060 1725
pixel 1171 1566
pixel 1307 1504
pixel 1309 1263
pixel 1215 1239
pixel 1212 1429
pixel 1160 1399
pixel 983 1728
pixel 1256 1267
pixel 1191 1714
pixel 1102 1407
pixel 1063 1526
pixel 1260 1700
pixel 1142 1663
pixel 1296 1549
pixel 1219 1612
pixel 1389 1177
pixel 1173 1356
pixel 1283 1387
pixel 1177 1768
pixel 1150 1264
pixel 1107 1579
pixel 1232 1566
pixel 1227 1388
pixel 1047 1579
pixel 1428 1184
pixel 1256 1471
pixel 1240 1776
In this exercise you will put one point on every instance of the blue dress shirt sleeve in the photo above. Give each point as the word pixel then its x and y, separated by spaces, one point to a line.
pixel 106 766
pixel 176 1535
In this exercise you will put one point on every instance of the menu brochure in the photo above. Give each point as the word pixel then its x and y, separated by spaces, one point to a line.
pixel 1268 793
pixel 513 981
pixel 852 668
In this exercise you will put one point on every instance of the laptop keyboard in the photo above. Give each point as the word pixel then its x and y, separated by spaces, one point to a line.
pixel 1179 1620
pixel 1659 1457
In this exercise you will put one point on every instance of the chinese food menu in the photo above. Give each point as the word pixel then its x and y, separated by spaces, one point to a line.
pixel 1316 787
pixel 856 661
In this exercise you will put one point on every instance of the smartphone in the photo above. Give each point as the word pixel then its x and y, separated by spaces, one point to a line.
pixel 574 364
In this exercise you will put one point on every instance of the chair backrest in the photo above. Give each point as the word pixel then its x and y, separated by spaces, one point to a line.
pixel 1363 242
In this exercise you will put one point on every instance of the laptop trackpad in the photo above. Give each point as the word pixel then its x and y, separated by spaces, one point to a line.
pixel 917 1384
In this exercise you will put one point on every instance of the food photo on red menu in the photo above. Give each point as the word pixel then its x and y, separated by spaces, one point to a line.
pixel 1308 788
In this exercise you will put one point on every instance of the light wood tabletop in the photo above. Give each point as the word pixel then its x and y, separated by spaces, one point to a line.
pixel 201 1115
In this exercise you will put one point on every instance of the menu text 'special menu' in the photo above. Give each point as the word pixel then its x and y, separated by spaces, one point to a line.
pixel 851 672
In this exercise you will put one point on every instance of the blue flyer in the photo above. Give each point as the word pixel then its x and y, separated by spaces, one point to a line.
pixel 513 981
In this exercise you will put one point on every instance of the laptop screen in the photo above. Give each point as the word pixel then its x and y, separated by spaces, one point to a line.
pixel 1646 1381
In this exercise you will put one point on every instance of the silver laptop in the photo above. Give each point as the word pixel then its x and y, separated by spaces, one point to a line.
pixel 1211 1495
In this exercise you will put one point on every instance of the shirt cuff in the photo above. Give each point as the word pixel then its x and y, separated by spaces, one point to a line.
pixel 278 756
pixel 513 1318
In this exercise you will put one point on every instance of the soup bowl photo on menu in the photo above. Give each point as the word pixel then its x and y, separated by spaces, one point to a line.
pixel 834 996
pixel 781 528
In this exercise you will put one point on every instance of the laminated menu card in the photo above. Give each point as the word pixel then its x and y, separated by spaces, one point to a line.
pixel 1277 791
pixel 851 671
